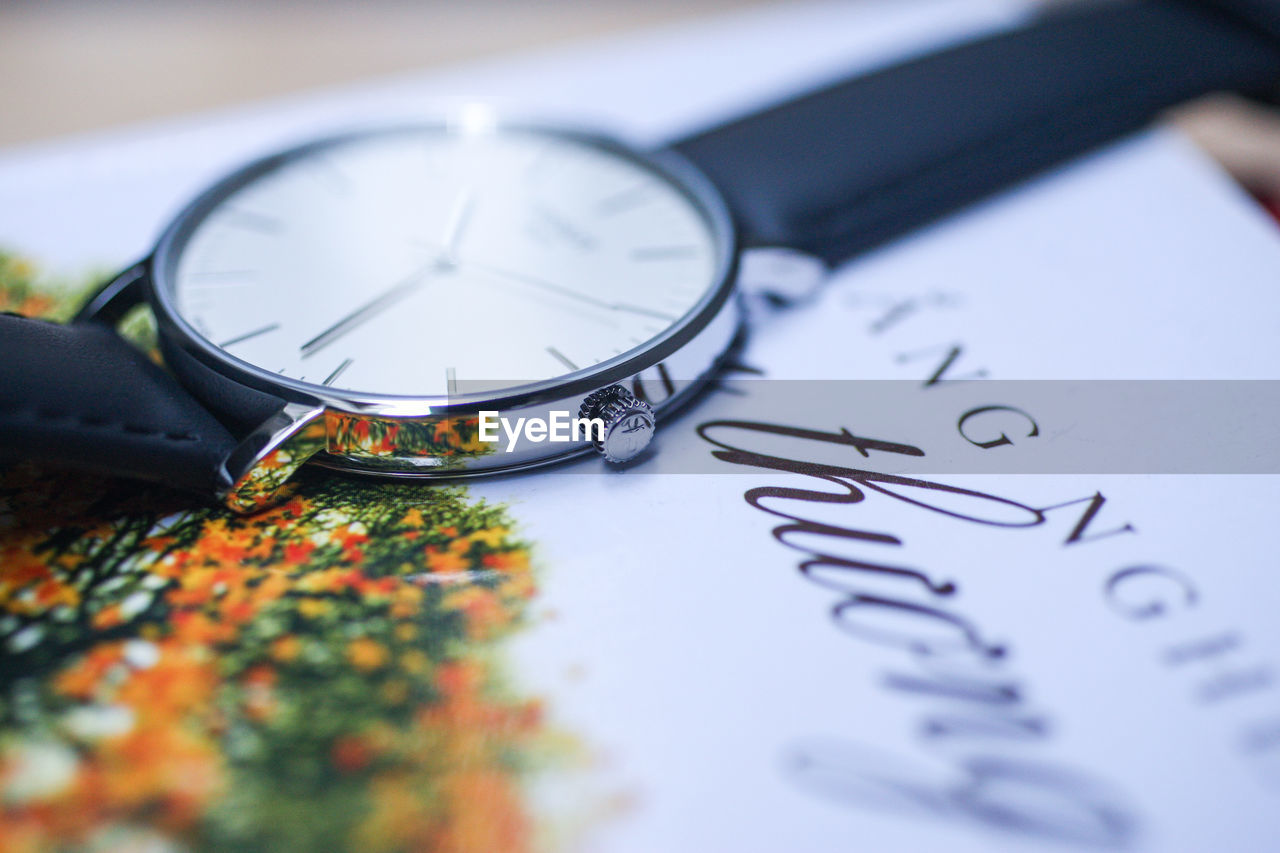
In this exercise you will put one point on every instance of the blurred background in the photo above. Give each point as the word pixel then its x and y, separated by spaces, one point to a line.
pixel 76 65
pixel 70 66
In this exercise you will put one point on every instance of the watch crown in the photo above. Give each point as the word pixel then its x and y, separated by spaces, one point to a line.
pixel 628 422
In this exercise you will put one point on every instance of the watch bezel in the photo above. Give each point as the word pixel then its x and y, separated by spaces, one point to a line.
pixel 678 173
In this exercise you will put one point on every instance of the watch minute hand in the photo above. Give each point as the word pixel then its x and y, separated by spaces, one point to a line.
pixel 367 311
pixel 568 292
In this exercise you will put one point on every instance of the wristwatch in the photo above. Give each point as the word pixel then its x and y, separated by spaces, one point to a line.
pixel 471 297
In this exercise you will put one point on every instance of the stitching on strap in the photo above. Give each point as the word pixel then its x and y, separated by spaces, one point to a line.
pixel 95 422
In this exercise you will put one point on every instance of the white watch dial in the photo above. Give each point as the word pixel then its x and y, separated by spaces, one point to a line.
pixel 429 263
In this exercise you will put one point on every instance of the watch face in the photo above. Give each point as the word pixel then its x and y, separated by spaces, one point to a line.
pixel 429 262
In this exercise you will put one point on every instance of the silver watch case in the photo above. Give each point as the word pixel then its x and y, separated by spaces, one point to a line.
pixel 410 436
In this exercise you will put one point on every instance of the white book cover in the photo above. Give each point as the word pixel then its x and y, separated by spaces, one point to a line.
pixel 766 638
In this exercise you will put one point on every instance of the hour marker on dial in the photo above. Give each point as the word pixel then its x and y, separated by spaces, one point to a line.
pixel 338 371
pixel 238 339
pixel 664 253
pixel 562 358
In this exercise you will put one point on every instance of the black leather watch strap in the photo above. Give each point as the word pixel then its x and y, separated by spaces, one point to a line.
pixel 80 395
pixel 852 165
pixel 1262 14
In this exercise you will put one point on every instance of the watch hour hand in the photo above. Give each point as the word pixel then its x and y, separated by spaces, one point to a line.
pixel 458 221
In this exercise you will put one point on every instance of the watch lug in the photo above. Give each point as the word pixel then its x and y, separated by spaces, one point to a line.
pixel 260 467
pixel 781 276
pixel 116 298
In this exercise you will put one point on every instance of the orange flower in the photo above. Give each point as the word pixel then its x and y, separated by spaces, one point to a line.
pixel 196 628
pixel 298 554
pixel 366 654
pixel 81 679
pixel 406 601
pixel 506 560
pixel 445 562
pixel 35 305
pixel 180 682
pixel 459 677
pixel 173 772
pixel 286 648
pixel 51 593
pixel 108 617
pixel 273 587
pixel 189 598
